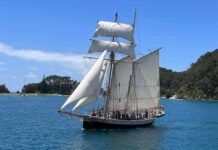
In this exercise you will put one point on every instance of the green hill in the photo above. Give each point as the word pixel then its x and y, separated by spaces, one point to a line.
pixel 200 81
pixel 4 89
pixel 52 85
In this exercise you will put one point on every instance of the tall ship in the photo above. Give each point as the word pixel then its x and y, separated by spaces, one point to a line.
pixel 129 86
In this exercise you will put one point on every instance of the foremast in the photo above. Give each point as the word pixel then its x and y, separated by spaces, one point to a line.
pixel 112 58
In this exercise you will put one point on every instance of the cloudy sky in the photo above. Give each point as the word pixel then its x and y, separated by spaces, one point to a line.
pixel 51 36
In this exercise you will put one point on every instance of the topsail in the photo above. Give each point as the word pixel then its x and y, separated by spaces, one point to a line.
pixel 114 29
pixel 124 48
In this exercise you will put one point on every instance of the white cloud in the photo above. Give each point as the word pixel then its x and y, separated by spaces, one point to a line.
pixel 14 77
pixel 34 68
pixel 75 62
pixel 30 75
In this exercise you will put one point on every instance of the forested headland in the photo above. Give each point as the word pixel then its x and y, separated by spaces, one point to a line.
pixel 4 89
pixel 52 85
pixel 200 81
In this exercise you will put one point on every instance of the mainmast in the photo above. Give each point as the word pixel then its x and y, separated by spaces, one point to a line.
pixel 134 20
pixel 112 57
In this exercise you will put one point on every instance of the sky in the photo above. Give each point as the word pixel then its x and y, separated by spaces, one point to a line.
pixel 46 37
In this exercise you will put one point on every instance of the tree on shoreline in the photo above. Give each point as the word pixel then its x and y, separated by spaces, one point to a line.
pixel 52 85
pixel 4 89
pixel 200 81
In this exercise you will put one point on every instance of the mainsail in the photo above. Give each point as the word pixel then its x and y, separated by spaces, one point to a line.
pixel 89 85
pixel 145 86
pixel 135 86
pixel 114 29
pixel 119 86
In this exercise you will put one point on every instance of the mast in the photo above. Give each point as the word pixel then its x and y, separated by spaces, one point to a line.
pixel 112 57
pixel 134 22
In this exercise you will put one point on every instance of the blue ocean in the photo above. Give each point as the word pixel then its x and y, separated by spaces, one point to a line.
pixel 32 122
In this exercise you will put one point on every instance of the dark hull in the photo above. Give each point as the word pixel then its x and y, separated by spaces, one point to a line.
pixel 97 125
pixel 90 123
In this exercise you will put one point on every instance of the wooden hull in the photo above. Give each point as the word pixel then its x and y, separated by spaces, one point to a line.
pixel 91 122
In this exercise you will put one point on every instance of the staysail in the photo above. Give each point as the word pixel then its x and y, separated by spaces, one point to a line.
pixel 145 86
pixel 114 29
pixel 124 48
pixel 88 100
pixel 89 85
pixel 119 86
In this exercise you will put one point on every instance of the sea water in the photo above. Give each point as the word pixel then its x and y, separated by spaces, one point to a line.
pixel 32 122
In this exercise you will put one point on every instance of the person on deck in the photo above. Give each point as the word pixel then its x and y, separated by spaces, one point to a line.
pixel 93 112
pixel 146 114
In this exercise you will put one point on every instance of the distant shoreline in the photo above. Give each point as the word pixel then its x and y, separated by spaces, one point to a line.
pixel 40 94
pixel 190 99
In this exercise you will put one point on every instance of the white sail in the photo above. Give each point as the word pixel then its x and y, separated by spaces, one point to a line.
pixel 88 100
pixel 145 82
pixel 131 100
pixel 85 101
pixel 119 86
pixel 100 46
pixel 113 29
pixel 89 85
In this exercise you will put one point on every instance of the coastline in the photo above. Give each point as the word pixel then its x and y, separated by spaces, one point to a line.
pixel 190 99
pixel 40 94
